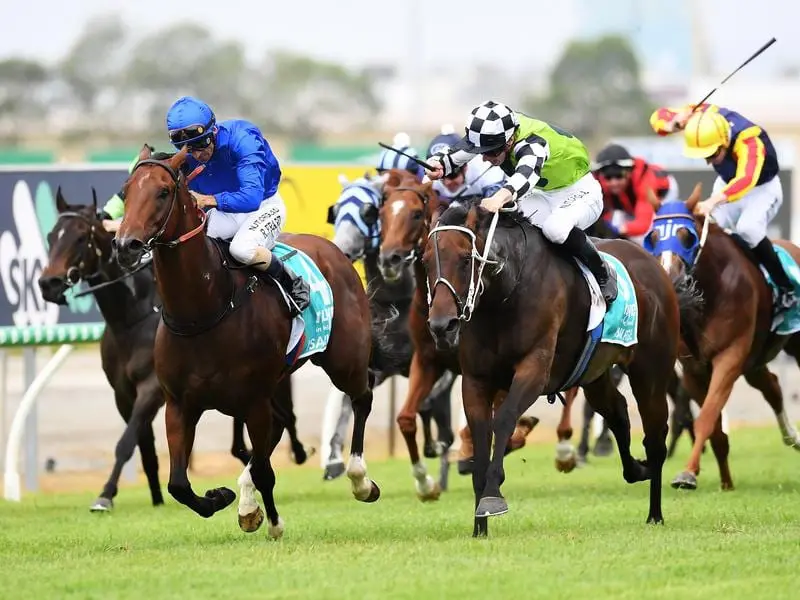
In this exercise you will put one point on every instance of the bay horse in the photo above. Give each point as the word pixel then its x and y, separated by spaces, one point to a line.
pixel 407 214
pixel 80 250
pixel 517 309
pixel 223 340
pixel 731 335
pixel 356 223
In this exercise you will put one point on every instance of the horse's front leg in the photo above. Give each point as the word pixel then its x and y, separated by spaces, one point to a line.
pixel 421 378
pixel 181 425
pixel 529 380
pixel 566 458
pixel 478 398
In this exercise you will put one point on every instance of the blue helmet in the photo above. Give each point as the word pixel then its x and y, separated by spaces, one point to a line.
pixel 190 122
pixel 389 159
pixel 443 143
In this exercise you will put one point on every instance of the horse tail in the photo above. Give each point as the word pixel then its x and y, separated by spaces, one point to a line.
pixel 690 308
pixel 385 358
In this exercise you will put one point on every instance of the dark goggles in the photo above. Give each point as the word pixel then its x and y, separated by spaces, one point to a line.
pixel 194 136
pixel 614 172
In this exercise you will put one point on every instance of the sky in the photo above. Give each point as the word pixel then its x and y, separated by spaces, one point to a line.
pixel 514 33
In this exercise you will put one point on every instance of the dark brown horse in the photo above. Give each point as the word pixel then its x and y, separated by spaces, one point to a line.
pixel 406 215
pixel 518 310
pixel 80 251
pixel 731 336
pixel 222 343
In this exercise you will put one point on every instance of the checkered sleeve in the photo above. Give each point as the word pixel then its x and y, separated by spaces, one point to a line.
pixel 450 161
pixel 531 154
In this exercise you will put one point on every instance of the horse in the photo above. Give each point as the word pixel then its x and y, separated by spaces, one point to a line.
pixel 227 337
pixel 357 233
pixel 518 310
pixel 733 333
pixel 406 216
pixel 80 249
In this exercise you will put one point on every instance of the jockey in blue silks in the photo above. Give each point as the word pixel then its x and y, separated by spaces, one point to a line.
pixel 389 159
pixel 238 187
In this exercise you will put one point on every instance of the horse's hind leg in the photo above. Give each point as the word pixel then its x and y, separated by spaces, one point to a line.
pixel 265 432
pixel 681 419
pixel 283 410
pixel 606 399
pixel 238 448
pixel 586 431
pixel 364 489
pixel 566 458
pixel 650 391
pixel 603 445
pixel 767 383
pixel 181 425
pixel 442 415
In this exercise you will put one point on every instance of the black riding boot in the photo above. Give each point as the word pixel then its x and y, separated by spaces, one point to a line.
pixel 767 256
pixel 583 249
pixel 295 286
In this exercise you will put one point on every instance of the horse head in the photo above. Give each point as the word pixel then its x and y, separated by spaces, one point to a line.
pixel 455 259
pixel 405 219
pixel 354 216
pixel 159 210
pixel 675 239
pixel 79 248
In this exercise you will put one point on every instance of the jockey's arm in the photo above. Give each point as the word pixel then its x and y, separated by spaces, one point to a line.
pixel 251 166
pixel 642 210
pixel 663 119
pixel 531 154
pixel 451 161
pixel 750 156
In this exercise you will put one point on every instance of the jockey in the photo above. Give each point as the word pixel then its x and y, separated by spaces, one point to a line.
pixel 747 193
pixel 389 159
pixel 625 181
pixel 238 187
pixel 475 179
pixel 548 175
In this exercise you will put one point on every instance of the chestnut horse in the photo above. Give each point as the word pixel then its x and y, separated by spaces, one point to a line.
pixel 80 251
pixel 406 216
pixel 517 309
pixel 223 340
pixel 732 335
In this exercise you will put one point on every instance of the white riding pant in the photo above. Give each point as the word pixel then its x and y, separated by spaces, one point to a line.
pixel 556 212
pixel 750 215
pixel 249 231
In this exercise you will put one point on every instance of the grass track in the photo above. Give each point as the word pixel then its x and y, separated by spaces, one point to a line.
pixel 579 534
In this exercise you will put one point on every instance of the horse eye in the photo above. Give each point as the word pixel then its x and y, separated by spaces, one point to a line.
pixel 164 193
pixel 416 214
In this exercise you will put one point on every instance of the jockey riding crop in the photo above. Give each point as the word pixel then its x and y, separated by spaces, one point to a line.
pixel 421 163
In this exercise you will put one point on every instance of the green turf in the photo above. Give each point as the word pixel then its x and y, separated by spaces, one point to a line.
pixel 581 534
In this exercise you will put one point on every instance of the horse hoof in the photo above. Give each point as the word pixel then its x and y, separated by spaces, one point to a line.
pixel 374 493
pixel 299 455
pixel 491 506
pixel 651 520
pixel 566 466
pixel 276 531
pixel 221 497
pixel 432 495
pixel 637 472
pixel 603 447
pixel 685 481
pixel 333 470
pixel 465 466
pixel 726 486
pixel 101 505
pixel 250 523
pixel 429 450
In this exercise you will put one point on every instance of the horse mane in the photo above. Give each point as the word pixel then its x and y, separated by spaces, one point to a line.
pixel 162 155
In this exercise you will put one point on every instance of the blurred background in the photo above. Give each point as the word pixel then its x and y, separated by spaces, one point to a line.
pixel 83 84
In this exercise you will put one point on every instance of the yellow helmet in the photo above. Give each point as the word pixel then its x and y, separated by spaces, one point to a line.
pixel 704 133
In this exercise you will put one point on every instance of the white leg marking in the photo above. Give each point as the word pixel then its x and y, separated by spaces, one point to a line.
pixel 790 436
pixel 357 473
pixel 247 493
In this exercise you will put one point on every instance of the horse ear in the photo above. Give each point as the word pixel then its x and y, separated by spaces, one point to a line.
pixel 343 181
pixel 61 203
pixel 94 201
pixel 654 200
pixel 473 218
pixel 695 197
pixel 145 152
pixel 176 162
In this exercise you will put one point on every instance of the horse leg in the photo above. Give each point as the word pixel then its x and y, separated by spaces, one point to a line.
pixel 603 446
pixel 421 379
pixel 364 489
pixel 426 416
pixel 283 410
pixel 566 459
pixel 334 463
pixel 725 369
pixel 607 400
pixel 146 403
pixel 529 380
pixel 681 419
pixel 265 432
pixel 586 430
pixel 766 382
pixel 650 392
pixel 238 448
pixel 442 416
pixel 181 425
pixel 478 399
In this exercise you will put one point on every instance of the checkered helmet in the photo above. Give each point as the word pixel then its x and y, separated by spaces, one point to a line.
pixel 489 127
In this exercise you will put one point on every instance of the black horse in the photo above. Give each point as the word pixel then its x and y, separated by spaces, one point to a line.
pixel 80 250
